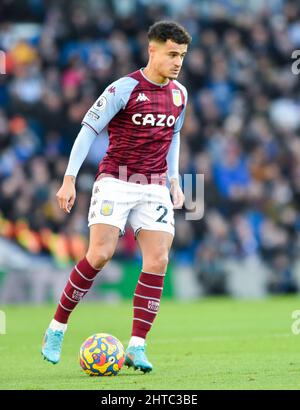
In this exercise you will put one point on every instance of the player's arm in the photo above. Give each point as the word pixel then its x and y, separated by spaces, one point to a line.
pixel 67 193
pixel 173 162
pixel 173 171
pixel 96 119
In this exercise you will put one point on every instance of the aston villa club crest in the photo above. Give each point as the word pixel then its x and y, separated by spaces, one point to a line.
pixel 107 208
pixel 177 99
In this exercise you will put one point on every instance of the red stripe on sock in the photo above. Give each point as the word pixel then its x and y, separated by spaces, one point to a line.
pixel 88 271
pixel 76 288
pixel 147 298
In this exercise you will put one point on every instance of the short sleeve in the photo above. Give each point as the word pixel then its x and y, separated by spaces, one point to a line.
pixel 111 101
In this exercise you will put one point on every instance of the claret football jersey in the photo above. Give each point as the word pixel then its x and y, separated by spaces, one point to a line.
pixel 141 118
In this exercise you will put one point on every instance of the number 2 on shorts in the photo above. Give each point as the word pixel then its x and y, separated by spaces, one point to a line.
pixel 165 211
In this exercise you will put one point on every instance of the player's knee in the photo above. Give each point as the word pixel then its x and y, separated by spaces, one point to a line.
pixel 159 263
pixel 98 259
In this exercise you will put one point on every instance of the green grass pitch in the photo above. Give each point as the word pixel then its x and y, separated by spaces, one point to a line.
pixel 208 344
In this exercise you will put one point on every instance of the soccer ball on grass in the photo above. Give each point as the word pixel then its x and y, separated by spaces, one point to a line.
pixel 101 355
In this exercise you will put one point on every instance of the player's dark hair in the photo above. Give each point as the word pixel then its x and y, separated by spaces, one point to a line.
pixel 162 31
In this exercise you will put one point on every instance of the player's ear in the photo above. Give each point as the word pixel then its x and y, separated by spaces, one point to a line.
pixel 152 47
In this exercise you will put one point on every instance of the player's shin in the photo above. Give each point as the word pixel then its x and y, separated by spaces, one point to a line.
pixel 79 283
pixel 146 304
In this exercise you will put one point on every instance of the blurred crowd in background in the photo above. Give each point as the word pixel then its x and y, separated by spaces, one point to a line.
pixel 242 127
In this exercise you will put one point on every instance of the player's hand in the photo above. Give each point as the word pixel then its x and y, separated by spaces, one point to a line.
pixel 66 195
pixel 177 194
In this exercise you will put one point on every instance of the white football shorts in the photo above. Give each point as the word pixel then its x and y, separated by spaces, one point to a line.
pixel 148 207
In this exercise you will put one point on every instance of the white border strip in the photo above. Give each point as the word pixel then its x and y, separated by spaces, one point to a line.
pixel 76 287
pixel 156 274
pixel 147 310
pixel 69 310
pixel 148 286
pixel 141 320
pixel 81 274
pixel 146 297
pixel 71 300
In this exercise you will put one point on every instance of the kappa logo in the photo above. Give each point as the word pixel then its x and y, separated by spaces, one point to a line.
pixel 142 97
pixel 112 90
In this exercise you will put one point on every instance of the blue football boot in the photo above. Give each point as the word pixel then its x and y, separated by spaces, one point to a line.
pixel 52 345
pixel 135 357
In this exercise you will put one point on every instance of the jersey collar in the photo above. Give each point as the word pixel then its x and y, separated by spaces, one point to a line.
pixel 152 82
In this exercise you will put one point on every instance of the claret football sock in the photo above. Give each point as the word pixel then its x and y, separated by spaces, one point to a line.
pixel 79 283
pixel 146 302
